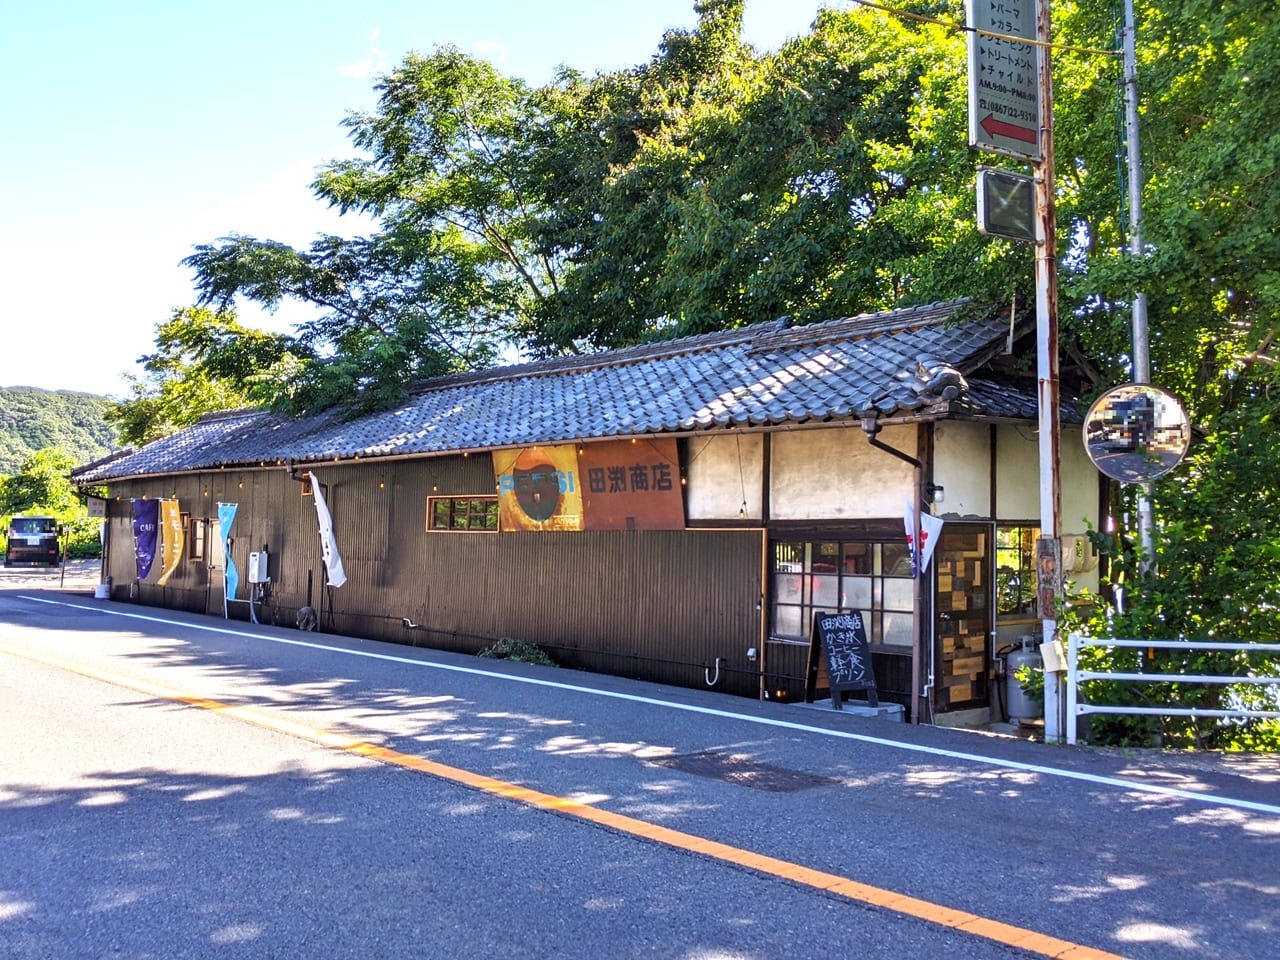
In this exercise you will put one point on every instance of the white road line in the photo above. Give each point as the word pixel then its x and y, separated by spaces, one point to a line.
pixel 1271 809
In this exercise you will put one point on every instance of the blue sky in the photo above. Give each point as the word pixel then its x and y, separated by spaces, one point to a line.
pixel 139 128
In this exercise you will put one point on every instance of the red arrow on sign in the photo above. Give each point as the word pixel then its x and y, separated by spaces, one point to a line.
pixel 999 128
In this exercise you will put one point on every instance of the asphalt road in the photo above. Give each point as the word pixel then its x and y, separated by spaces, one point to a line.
pixel 181 786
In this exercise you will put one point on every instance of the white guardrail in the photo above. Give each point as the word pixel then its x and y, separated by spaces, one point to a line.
pixel 1075 676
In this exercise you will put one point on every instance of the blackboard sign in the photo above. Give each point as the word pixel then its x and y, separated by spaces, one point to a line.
pixel 843 640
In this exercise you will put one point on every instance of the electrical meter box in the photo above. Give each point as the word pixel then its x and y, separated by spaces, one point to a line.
pixel 258 567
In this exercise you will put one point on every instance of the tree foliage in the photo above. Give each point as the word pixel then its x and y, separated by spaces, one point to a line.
pixel 42 486
pixel 717 187
pixel 1216 557
pixel 709 187
pixel 1209 153
pixel 204 361
pixel 450 276
pixel 1209 150
pixel 32 419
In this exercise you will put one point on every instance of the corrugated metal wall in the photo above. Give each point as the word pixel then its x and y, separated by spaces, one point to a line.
pixel 655 605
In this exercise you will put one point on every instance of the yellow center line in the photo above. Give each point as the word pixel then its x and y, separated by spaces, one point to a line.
pixel 1018 937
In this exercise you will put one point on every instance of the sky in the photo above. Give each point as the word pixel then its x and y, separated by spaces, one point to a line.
pixel 137 129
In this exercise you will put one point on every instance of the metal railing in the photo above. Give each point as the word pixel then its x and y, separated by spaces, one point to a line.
pixel 1075 676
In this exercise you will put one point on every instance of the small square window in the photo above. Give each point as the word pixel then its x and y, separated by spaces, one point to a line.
pixel 196 530
pixel 462 514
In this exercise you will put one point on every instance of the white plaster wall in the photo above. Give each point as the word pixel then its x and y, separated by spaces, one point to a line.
pixel 1017 473
pixel 962 467
pixel 1080 479
pixel 719 469
pixel 1018 478
pixel 835 473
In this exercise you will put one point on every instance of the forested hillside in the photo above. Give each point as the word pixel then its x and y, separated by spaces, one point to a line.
pixel 32 419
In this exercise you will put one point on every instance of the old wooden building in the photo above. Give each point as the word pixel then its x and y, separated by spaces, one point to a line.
pixel 675 512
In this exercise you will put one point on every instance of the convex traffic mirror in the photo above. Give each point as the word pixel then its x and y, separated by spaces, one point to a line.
pixel 1136 432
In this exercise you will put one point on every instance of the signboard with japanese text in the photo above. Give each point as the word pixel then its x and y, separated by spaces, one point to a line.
pixel 1004 77
pixel 172 539
pixel 610 485
pixel 846 655
pixel 632 485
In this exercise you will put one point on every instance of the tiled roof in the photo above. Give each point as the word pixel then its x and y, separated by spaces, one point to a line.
pixel 888 364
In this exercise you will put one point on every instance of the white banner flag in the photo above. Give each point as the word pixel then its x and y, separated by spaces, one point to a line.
pixel 930 532
pixel 328 545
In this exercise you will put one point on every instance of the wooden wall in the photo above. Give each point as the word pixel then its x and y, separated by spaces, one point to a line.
pixel 654 605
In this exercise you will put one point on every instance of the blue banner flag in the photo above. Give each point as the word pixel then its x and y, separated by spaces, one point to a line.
pixel 226 517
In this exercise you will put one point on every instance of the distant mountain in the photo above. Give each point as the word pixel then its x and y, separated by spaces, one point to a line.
pixel 32 419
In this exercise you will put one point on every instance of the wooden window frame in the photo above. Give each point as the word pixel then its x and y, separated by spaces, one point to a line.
pixel 462 514
pixel 875 613
pixel 197 536
pixel 1015 542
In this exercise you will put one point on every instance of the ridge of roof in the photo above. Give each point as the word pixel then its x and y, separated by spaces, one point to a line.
pixel 763 336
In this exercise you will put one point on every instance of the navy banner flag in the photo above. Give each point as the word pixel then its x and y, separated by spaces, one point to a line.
pixel 146 530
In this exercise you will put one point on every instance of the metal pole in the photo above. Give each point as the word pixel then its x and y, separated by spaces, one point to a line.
pixel 1073 685
pixel 1141 338
pixel 918 632
pixel 1047 360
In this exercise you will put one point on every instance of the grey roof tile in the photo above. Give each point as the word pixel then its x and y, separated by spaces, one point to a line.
pixel 760 375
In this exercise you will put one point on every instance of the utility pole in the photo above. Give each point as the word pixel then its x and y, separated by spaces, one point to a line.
pixel 1049 550
pixel 1141 354
pixel 1011 112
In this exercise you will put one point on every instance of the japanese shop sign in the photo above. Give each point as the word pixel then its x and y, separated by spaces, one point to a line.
pixel 632 486
pixel 1004 81
pixel 612 485
pixel 847 655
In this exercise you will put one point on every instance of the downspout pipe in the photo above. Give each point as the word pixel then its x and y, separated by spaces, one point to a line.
pixel 871 427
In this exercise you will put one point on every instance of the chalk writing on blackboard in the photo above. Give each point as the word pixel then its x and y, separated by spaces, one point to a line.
pixel 843 639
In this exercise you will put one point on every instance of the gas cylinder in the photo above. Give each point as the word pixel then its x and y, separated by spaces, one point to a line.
pixel 1021 706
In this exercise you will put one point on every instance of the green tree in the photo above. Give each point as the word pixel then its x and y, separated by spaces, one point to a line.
pixel 1209 150
pixel 33 419
pixel 1216 555
pixel 710 187
pixel 449 277
pixel 204 361
pixel 827 179
pixel 42 486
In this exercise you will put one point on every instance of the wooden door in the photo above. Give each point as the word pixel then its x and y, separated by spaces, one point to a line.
pixel 963 617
